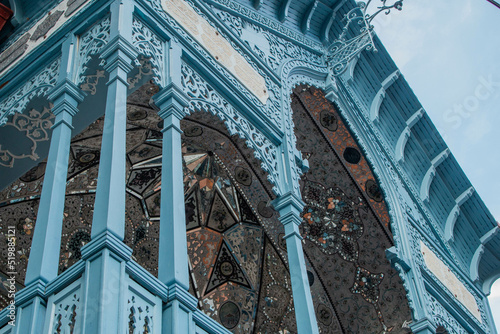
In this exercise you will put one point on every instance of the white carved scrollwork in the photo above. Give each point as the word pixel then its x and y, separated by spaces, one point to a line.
pixel 204 97
pixel 38 85
pixel 35 127
pixel 150 45
pixel 91 43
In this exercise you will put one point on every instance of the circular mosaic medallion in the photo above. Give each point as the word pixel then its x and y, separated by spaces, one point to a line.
pixel 243 176
pixel 137 115
pixel 34 173
pixel 160 124
pixel 229 314
pixel 352 155
pixel 373 191
pixel 86 157
pixel 328 120
pixel 226 268
pixel 324 314
pixel 310 278
pixel 193 131
pixel 265 210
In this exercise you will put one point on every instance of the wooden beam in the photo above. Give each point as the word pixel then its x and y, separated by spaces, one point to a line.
pixel 257 4
pixel 306 20
pixel 327 24
pixel 283 10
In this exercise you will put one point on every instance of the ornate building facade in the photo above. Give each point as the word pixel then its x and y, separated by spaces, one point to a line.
pixel 214 166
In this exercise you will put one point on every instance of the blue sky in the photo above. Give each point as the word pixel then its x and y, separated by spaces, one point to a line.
pixel 449 52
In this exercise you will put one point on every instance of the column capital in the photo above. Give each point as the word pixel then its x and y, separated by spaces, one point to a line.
pixel 290 206
pixel 33 289
pixel 179 293
pixel 171 100
pixel 119 53
pixel 109 241
pixel 66 96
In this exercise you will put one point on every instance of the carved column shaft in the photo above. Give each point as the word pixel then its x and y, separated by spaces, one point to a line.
pixel 173 256
pixel 106 255
pixel 109 209
pixel 290 207
pixel 43 262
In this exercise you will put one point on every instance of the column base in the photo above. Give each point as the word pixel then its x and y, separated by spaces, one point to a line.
pixel 181 315
pixel 105 284
pixel 28 315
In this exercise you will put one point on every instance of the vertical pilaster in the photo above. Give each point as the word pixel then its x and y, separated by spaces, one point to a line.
pixel 109 209
pixel 173 256
pixel 290 207
pixel 104 299
pixel 43 261
pixel 44 255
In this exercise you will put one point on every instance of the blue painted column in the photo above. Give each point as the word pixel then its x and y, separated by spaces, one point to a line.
pixel 105 280
pixel 290 207
pixel 43 261
pixel 173 256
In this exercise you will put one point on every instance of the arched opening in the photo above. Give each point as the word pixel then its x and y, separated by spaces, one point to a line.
pixel 345 222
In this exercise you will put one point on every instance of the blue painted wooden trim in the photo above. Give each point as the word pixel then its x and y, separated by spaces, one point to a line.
pixel 308 15
pixel 66 278
pixel 290 206
pixel 208 324
pixel 147 280
pixel 393 257
pixel 43 261
pixel 379 97
pixel 283 10
pixel 109 210
pixel 431 172
pixel 476 259
pixel 454 213
pixel 26 295
pixel 349 72
pixel 423 326
pixel 377 157
pixel 405 135
pixel 488 282
pixel 327 24
pixel 106 240
pixel 46 51
pixel 451 304
pixel 248 109
pixel 243 47
pixel 257 4
pixel 17 8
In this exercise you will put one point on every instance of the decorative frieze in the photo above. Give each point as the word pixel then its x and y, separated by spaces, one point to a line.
pixel 38 85
pixel 43 28
pixel 91 43
pixel 217 46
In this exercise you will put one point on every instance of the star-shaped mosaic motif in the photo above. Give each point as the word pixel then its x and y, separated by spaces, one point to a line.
pixel 367 284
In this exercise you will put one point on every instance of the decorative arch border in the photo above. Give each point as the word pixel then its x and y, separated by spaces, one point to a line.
pixel 37 86
pixel 405 218
pixel 204 97
pixel 295 72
